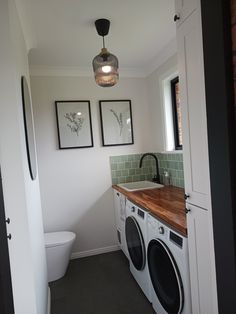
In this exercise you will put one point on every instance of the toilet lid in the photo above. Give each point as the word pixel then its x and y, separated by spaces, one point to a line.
pixel 58 238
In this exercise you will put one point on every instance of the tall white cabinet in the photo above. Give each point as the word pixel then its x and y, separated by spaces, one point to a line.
pixel 201 259
pixel 195 154
pixel 184 8
pixel 193 105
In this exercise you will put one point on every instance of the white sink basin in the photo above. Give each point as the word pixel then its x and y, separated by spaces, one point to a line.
pixel 140 185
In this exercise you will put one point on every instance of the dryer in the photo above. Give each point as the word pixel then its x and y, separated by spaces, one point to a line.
pixel 136 239
pixel 168 266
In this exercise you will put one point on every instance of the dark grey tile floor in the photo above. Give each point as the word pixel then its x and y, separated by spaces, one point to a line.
pixel 100 284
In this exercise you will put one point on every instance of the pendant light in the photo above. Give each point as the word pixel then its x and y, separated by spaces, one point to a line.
pixel 105 65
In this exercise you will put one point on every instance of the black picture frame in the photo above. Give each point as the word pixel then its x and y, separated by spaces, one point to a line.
pixel 74 124
pixel 116 122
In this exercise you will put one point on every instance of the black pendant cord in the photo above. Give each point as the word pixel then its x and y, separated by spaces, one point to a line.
pixel 103 40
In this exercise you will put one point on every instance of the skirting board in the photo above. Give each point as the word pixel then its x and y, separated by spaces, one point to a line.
pixel 95 251
pixel 49 301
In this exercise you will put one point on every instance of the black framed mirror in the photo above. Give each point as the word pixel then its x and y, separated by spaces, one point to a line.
pixel 29 128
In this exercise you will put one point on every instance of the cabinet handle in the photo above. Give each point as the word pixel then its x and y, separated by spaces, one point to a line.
pixel 187 210
pixel 176 17
pixel 8 221
pixel 9 236
pixel 186 196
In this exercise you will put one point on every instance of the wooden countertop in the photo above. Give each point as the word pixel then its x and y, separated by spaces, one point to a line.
pixel 166 203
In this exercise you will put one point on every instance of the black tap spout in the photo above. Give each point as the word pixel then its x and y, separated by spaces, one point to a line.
pixel 157 176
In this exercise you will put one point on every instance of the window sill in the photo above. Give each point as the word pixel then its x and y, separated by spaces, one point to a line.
pixel 179 151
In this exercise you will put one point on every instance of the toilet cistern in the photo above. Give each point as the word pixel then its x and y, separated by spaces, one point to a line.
pixel 58 252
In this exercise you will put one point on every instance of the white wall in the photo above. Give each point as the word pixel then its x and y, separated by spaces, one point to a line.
pixel 155 99
pixel 76 183
pixel 21 194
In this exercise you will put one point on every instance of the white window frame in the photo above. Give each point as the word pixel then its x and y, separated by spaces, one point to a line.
pixel 167 109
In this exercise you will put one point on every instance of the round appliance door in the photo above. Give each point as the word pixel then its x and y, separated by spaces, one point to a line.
pixel 135 243
pixel 165 277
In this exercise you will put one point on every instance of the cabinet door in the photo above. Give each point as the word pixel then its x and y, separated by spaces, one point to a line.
pixel 120 214
pixel 183 8
pixel 192 97
pixel 117 205
pixel 201 260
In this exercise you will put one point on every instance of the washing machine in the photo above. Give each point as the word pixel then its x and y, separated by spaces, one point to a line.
pixel 168 265
pixel 136 239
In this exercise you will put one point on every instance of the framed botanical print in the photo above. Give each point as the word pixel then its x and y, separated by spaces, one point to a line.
pixel 74 124
pixel 116 122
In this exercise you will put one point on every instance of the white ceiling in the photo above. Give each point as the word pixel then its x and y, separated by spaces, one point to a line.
pixel 66 36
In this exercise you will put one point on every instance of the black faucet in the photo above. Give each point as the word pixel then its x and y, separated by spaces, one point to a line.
pixel 157 176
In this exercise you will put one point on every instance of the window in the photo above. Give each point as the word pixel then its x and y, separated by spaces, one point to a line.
pixel 171 110
pixel 176 113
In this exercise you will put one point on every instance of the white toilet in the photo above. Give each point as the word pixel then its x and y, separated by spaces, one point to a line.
pixel 58 251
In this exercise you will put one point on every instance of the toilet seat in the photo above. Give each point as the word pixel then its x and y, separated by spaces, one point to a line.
pixel 58 238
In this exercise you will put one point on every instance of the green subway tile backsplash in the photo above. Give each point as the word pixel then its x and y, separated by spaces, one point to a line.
pixel 125 168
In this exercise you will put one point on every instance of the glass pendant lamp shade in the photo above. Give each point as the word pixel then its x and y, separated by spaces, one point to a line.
pixel 105 67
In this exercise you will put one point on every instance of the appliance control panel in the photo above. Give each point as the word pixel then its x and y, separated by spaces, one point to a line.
pixel 176 239
pixel 141 213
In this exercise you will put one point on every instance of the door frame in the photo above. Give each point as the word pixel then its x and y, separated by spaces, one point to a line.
pixel 6 300
pixel 217 49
